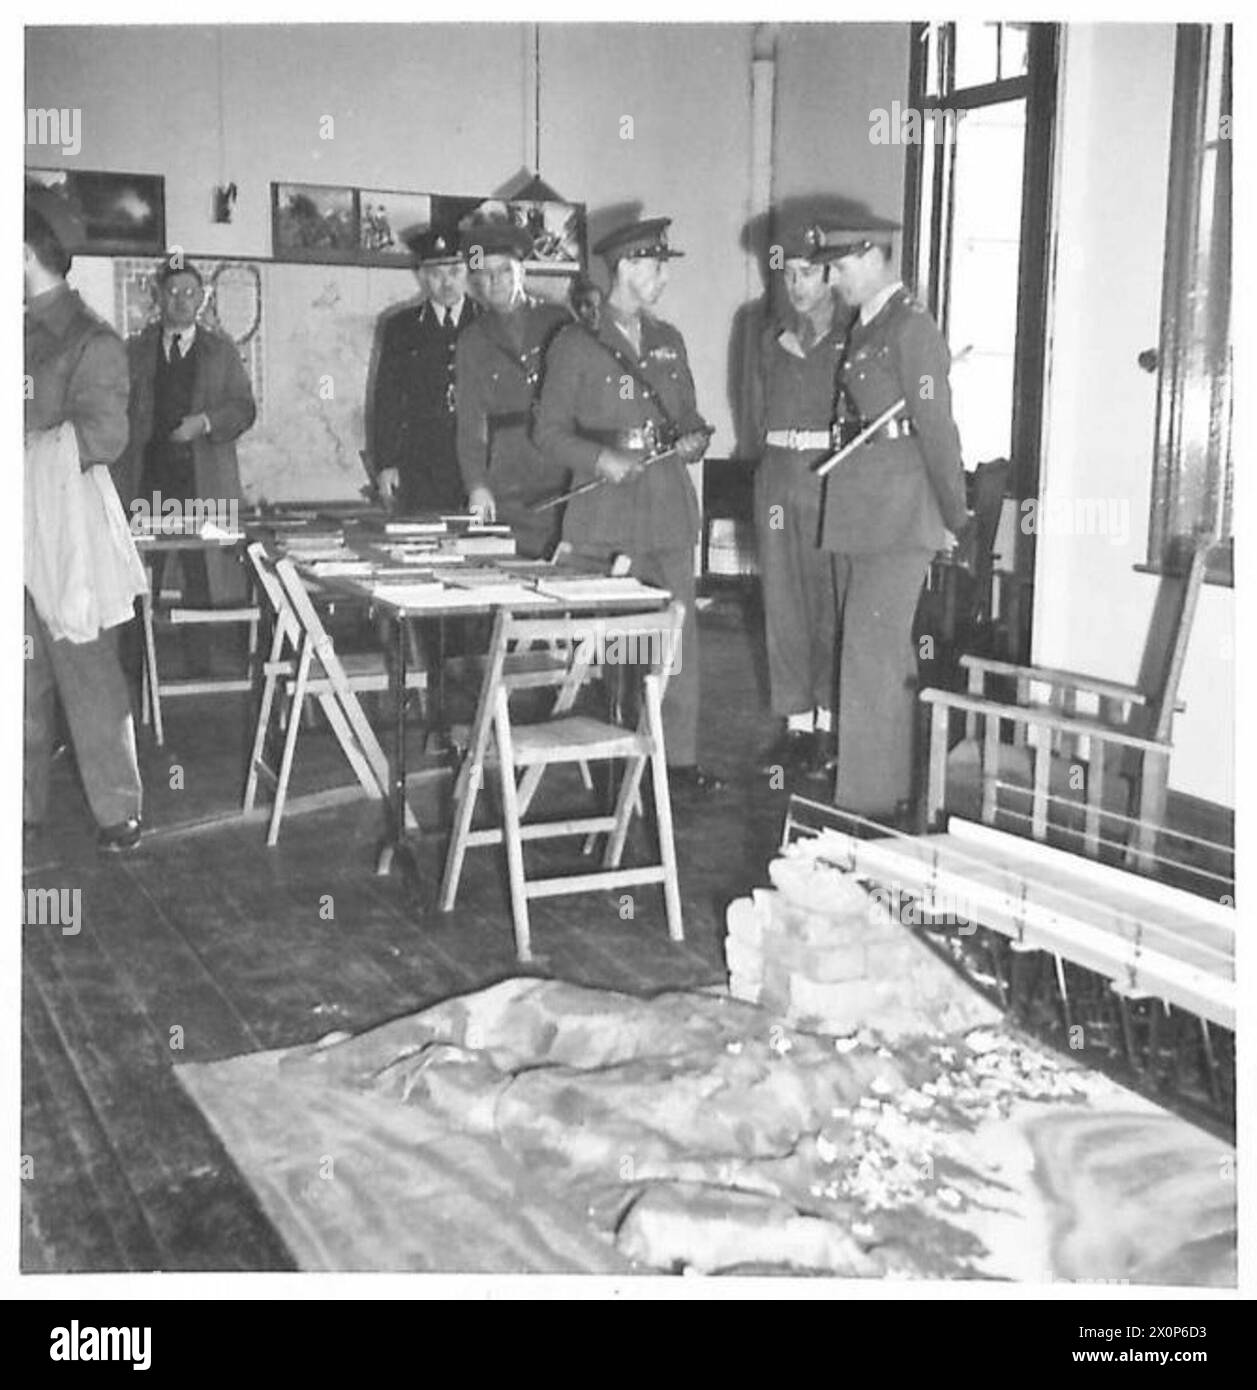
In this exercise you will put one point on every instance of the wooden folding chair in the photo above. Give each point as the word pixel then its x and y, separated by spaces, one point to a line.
pixel 1134 724
pixel 303 660
pixel 568 738
pixel 152 688
pixel 958 591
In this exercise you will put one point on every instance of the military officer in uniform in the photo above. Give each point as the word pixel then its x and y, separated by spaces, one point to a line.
pixel 612 396
pixel 415 453
pixel 498 366
pixel 887 510
pixel 791 411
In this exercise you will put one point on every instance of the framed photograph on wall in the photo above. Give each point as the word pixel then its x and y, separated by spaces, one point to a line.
pixel 314 222
pixel 386 217
pixel 123 214
pixel 449 211
pixel 557 231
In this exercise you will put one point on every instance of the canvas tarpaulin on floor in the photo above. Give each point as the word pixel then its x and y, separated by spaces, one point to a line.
pixel 540 1126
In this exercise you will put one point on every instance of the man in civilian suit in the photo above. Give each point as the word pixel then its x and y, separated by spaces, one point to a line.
pixel 415 451
pixel 190 401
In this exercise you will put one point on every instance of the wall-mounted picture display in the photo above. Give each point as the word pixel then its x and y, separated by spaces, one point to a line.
pixel 386 218
pixel 373 226
pixel 452 212
pixel 123 214
pixel 314 222
pixel 557 231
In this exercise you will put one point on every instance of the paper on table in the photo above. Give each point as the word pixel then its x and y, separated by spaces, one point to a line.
pixel 425 557
pixel 599 586
pixel 415 528
pixel 212 531
pixel 303 554
pixel 326 568
pixel 484 545
pixel 478 576
pixel 506 593
pixel 439 596
pixel 402 574
pixel 422 595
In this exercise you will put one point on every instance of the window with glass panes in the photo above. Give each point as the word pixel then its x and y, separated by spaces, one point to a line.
pixel 1192 475
pixel 976 222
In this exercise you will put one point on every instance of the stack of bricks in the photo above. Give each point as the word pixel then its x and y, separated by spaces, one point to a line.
pixel 822 952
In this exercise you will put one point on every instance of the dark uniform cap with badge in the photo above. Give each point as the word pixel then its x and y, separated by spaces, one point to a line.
pixel 857 238
pixel 801 241
pixel 63 218
pixel 497 238
pixel 433 246
pixel 639 241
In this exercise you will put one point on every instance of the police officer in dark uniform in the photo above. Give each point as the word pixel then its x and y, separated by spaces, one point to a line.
pixel 499 365
pixel 887 510
pixel 415 453
pixel 791 411
pixel 612 396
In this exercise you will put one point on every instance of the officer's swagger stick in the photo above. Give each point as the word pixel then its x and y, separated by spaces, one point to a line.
pixel 595 483
pixel 827 465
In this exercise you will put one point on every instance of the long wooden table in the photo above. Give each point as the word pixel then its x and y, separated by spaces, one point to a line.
pixel 432 593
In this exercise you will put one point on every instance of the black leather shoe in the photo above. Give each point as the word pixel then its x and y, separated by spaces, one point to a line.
pixel 693 781
pixel 793 751
pixel 117 839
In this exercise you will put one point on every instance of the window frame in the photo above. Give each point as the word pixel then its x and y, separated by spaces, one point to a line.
pixel 1038 86
pixel 1186 460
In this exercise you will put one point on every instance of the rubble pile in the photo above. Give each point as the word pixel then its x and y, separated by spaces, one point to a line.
pixel 902 1145
pixel 822 951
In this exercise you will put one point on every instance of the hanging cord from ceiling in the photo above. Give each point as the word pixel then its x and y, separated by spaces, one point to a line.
pixel 536 97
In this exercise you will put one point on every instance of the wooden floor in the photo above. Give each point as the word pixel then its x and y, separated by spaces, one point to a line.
pixel 204 944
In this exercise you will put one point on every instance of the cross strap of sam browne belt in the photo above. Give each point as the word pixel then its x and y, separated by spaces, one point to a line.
pixel 631 369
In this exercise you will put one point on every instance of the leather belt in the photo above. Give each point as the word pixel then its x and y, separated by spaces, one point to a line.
pixel 802 440
pixel 807 441
pixel 847 430
pixel 639 439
